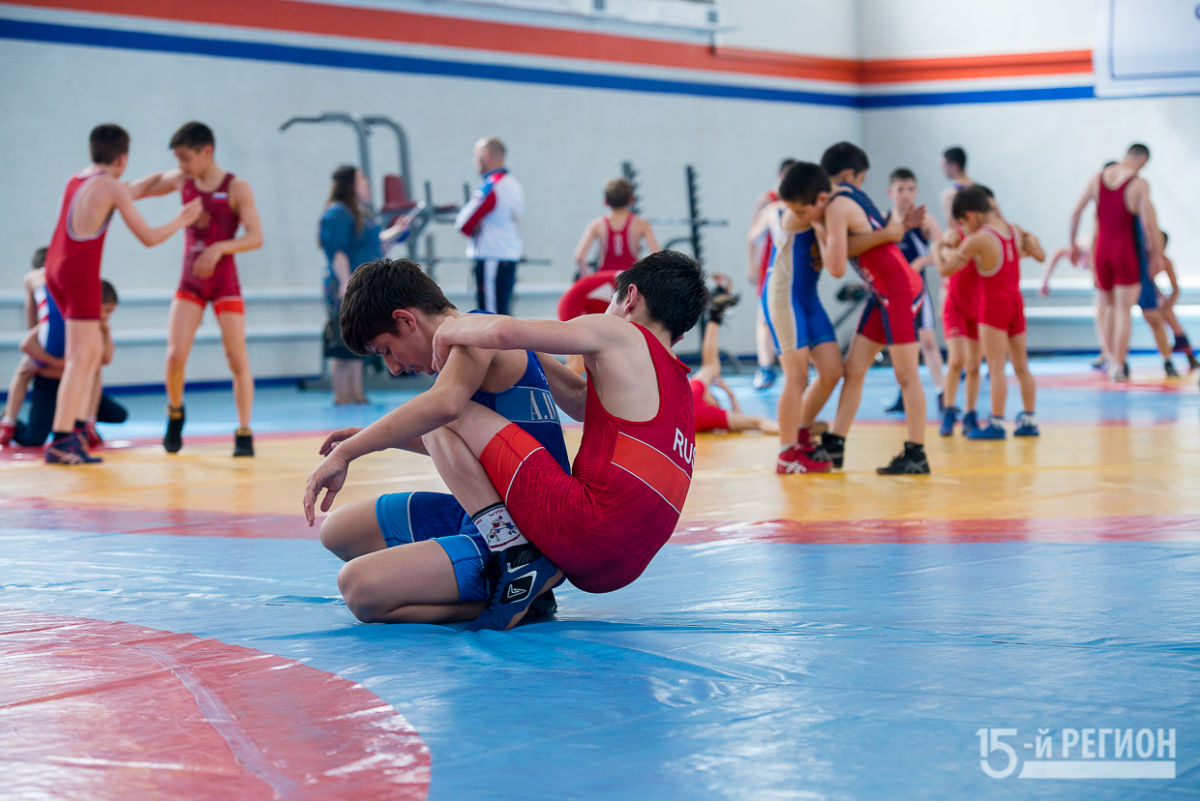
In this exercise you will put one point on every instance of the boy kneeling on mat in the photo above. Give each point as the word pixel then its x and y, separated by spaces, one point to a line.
pixel 417 557
pixel 600 524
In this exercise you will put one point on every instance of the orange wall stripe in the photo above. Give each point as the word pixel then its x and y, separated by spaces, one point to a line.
pixel 426 29
pixel 959 68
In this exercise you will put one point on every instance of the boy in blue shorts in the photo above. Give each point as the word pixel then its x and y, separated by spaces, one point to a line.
pixel 799 326
pixel 424 541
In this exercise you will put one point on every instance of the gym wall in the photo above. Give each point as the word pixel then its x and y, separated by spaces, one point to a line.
pixel 571 96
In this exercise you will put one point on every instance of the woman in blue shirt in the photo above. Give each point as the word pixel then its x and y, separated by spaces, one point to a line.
pixel 350 236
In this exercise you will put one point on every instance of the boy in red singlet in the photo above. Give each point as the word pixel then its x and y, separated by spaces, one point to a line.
pixel 209 274
pixel 854 229
pixel 995 247
pixel 601 524
pixel 621 234
pixel 1122 200
pixel 73 277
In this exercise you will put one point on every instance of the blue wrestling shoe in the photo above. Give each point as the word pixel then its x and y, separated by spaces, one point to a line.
pixel 69 450
pixel 993 430
pixel 949 418
pixel 764 378
pixel 898 406
pixel 970 422
pixel 1026 425
pixel 523 574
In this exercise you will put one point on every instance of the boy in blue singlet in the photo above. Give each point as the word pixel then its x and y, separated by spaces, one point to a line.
pixel 800 328
pixel 424 541
pixel 917 247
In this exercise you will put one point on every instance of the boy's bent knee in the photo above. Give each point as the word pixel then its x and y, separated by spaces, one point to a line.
pixel 359 593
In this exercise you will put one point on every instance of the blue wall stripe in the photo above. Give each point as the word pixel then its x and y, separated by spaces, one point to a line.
pixel 979 96
pixel 380 62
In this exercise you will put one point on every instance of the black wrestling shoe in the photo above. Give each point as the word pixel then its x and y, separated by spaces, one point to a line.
pixel 523 574
pixel 834 447
pixel 173 439
pixel 910 461
pixel 243 443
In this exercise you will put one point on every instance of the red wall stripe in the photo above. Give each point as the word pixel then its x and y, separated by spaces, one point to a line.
pixel 426 29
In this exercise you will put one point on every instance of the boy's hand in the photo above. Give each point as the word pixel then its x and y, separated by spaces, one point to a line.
pixel 191 211
pixel 330 475
pixel 915 217
pixel 341 435
pixel 896 227
pixel 206 262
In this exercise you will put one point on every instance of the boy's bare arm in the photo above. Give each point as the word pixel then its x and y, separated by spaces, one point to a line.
pixel 1030 245
pixel 1169 269
pixel 444 402
pixel 116 195
pixel 568 387
pixel 1087 197
pixel 757 238
pixel 837 236
pixel 242 202
pixel 584 246
pixel 648 238
pixel 107 349
pixel 156 183
pixel 31 346
pixel 31 313
pixel 952 257
pixel 585 335
pixel 894 231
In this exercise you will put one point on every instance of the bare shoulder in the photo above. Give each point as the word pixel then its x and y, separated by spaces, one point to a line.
pixel 240 188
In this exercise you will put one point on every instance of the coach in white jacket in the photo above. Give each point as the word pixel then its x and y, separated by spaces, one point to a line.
pixel 490 219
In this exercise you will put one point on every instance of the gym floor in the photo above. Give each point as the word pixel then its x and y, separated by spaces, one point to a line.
pixel 170 628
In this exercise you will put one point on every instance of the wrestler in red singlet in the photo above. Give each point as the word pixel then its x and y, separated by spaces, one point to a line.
pixel 73 263
pixel 960 314
pixel 1117 262
pixel 1000 303
pixel 895 286
pixel 618 253
pixel 221 288
pixel 709 416
pixel 604 523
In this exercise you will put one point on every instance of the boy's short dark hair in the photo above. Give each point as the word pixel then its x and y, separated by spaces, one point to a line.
pixel 956 155
pixel 672 284
pixel 107 143
pixel 618 193
pixel 108 294
pixel 39 258
pixel 1137 149
pixel 971 198
pixel 844 156
pixel 902 174
pixel 802 182
pixel 783 165
pixel 193 135
pixel 378 288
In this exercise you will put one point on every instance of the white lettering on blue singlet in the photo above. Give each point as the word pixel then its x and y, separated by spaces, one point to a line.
pixel 527 405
